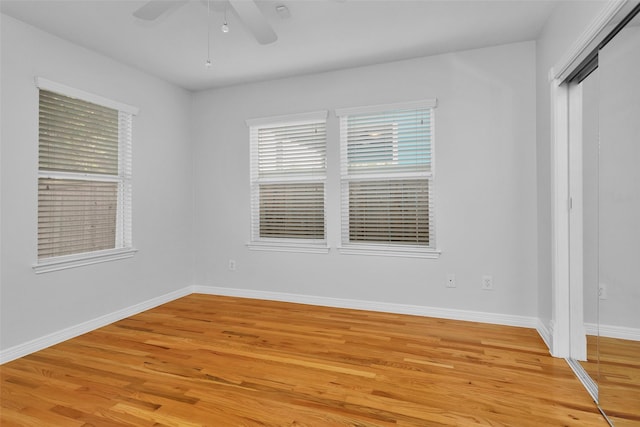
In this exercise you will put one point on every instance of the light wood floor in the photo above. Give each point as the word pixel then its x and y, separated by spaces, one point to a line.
pixel 615 366
pixel 219 361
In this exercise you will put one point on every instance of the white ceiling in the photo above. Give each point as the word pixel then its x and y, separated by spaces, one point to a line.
pixel 320 35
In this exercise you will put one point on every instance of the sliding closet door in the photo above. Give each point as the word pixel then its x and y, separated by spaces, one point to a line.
pixel 619 226
pixel 590 140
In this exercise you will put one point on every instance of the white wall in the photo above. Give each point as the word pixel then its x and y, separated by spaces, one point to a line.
pixel 485 183
pixel 33 305
pixel 565 25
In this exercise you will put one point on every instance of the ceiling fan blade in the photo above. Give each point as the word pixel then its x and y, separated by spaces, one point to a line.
pixel 252 18
pixel 154 8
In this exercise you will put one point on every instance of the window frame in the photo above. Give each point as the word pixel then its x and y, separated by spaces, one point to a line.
pixel 283 244
pixel 386 249
pixel 123 244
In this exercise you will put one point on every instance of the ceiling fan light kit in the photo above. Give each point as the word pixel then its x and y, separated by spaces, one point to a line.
pixel 283 11
pixel 247 10
pixel 225 26
pixel 207 63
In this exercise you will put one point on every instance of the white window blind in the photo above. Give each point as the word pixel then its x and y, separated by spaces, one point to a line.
pixel 84 176
pixel 288 173
pixel 387 167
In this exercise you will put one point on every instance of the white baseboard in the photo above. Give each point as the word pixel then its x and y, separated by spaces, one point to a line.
pixel 610 331
pixel 418 310
pixel 41 343
pixel 545 333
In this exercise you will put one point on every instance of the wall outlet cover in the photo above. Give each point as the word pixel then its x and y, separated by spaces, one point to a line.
pixel 451 280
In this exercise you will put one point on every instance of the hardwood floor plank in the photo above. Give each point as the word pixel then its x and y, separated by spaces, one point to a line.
pixel 206 360
pixel 614 364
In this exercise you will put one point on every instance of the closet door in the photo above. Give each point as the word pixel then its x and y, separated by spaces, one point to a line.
pixel 589 166
pixel 619 226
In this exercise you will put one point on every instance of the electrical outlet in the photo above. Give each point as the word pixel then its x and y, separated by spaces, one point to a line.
pixel 232 265
pixel 451 280
pixel 603 291
pixel 487 283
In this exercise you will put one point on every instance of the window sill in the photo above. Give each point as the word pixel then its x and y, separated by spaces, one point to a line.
pixel 79 260
pixel 310 248
pixel 387 250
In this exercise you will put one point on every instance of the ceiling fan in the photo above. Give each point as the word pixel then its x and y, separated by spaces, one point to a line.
pixel 247 10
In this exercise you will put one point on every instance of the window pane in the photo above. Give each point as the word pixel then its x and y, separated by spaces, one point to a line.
pixel 395 141
pixel 77 136
pixel 292 149
pixel 75 216
pixel 393 211
pixel 292 210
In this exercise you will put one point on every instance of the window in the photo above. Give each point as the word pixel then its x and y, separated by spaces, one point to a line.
pixel 84 178
pixel 288 174
pixel 387 170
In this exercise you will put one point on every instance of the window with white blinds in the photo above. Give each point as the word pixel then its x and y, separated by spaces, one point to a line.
pixel 288 174
pixel 387 171
pixel 84 175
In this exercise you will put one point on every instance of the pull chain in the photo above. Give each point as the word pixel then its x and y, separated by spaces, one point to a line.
pixel 208 62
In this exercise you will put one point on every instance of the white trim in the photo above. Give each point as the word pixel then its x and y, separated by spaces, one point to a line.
pixel 611 331
pixel 591 329
pixel 42 83
pixel 560 219
pixel 78 176
pixel 590 38
pixel 389 250
pixel 417 310
pixel 78 260
pixel 357 177
pixel 310 117
pixel 41 343
pixel 309 248
pixel 544 332
pixel 303 179
pixel 424 103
